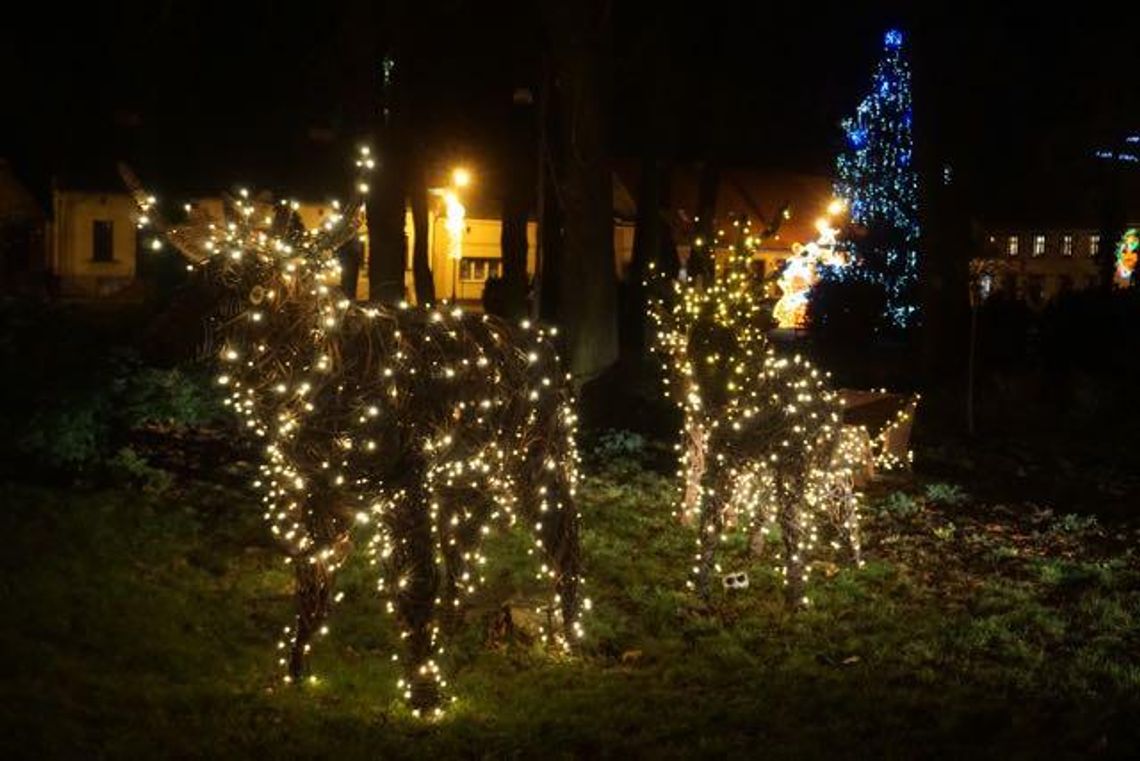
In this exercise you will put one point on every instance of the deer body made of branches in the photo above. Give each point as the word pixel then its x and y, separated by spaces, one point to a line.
pixel 413 432
pixel 763 442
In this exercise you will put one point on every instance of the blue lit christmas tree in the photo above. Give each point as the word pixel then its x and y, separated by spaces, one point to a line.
pixel 877 177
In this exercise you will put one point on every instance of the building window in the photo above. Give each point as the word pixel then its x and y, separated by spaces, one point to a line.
pixel 1038 245
pixel 1066 245
pixel 479 270
pixel 1011 246
pixel 103 240
pixel 1094 245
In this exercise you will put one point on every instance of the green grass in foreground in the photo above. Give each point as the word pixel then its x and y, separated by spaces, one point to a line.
pixel 143 626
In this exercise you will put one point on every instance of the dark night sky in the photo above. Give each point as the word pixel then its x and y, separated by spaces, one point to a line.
pixel 207 93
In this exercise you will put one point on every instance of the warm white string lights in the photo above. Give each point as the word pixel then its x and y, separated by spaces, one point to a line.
pixel 763 442
pixel 412 432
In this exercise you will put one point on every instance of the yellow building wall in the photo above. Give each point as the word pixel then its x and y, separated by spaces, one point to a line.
pixel 482 240
pixel 72 252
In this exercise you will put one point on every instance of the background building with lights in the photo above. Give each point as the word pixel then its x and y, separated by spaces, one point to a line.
pixel 1035 264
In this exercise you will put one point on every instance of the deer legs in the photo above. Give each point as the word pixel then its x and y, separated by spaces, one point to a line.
pixel 313 595
pixel 313 577
pixel 417 590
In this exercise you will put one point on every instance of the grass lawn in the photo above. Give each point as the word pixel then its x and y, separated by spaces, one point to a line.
pixel 143 625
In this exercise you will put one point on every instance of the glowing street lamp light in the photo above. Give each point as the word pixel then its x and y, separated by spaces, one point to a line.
pixel 455 215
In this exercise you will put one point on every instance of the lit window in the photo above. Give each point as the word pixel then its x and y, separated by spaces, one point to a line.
pixel 1011 246
pixel 479 270
pixel 1094 245
pixel 1038 245
pixel 1066 245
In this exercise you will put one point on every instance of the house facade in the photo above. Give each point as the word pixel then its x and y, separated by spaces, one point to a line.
pixel 1036 264
pixel 93 244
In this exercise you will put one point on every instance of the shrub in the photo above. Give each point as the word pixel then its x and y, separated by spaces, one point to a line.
pixel 946 494
pixel 70 435
pixel 1072 523
pixel 78 420
pixel 616 443
pixel 900 504
pixel 128 467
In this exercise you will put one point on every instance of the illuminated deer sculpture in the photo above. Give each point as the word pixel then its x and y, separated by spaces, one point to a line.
pixel 763 442
pixel 409 432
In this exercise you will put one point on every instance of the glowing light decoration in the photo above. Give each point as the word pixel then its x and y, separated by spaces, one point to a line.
pixel 876 175
pixel 762 443
pixel 408 433
pixel 1126 253
pixel 801 271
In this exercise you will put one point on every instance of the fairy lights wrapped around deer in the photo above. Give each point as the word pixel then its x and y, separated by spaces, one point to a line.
pixel 408 434
pixel 763 443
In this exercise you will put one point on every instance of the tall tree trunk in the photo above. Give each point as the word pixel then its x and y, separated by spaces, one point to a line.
pixel 549 286
pixel 386 208
pixel 350 255
pixel 387 203
pixel 648 247
pixel 580 37
pixel 421 267
pixel 548 206
pixel 518 199
pixel 657 138
pixel 514 248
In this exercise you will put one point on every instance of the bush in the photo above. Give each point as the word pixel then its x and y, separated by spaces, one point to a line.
pixel 130 468
pixel 1074 524
pixel 946 494
pixel 68 436
pixel 79 420
pixel 900 504
pixel 613 443
pixel 165 397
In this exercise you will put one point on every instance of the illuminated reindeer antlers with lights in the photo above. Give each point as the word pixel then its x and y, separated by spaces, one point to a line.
pixel 197 242
pixel 181 238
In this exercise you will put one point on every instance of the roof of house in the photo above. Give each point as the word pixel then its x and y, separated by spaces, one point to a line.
pixel 753 193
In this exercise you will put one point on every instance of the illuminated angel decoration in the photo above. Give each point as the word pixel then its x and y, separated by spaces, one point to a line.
pixel 409 433
pixel 801 272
